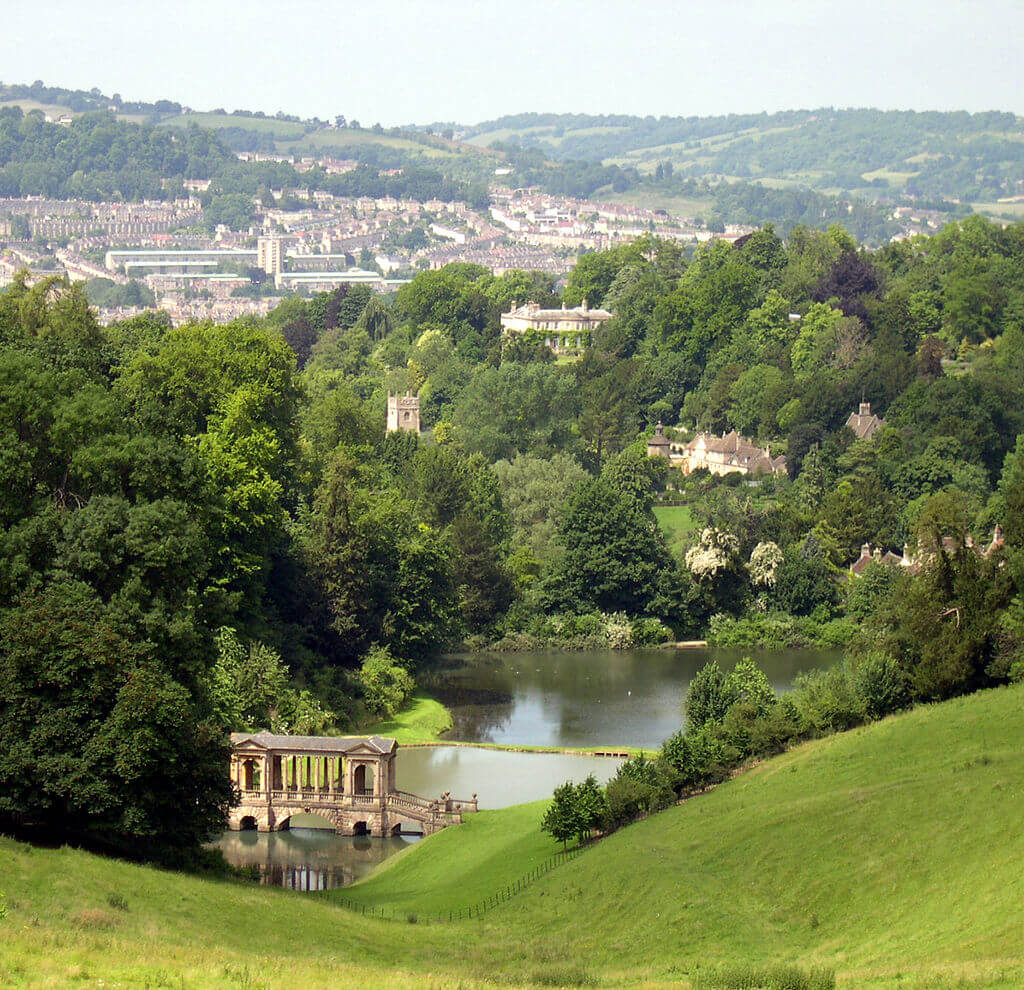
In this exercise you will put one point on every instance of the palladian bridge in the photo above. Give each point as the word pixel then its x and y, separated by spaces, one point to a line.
pixel 349 780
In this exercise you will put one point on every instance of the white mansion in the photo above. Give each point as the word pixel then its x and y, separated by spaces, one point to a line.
pixel 565 331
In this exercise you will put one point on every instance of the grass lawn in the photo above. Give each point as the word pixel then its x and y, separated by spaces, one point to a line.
pixel 459 866
pixel 676 522
pixel 891 854
pixel 423 721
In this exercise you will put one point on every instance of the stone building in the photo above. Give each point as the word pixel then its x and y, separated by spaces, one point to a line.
pixel 348 780
pixel 864 423
pixel 403 413
pixel 659 445
pixel 914 562
pixel 565 331
pixel 718 455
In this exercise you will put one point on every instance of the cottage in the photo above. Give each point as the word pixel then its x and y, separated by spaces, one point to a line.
pixel 719 455
pixel 864 423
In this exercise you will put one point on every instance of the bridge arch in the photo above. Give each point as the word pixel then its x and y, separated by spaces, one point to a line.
pixel 408 827
pixel 247 823
pixel 328 819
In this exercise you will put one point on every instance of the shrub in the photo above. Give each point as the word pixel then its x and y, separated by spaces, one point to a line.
pixel 706 698
pixel 747 683
pixel 618 630
pixel 650 632
pixel 117 902
pixel 639 787
pixel 828 699
pixel 698 758
pixel 881 684
pixel 387 686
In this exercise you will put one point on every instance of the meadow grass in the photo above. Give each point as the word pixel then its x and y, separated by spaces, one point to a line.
pixel 676 522
pixel 279 130
pixel 423 721
pixel 891 855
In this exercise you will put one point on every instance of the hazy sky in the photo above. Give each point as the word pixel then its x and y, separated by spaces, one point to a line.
pixel 470 60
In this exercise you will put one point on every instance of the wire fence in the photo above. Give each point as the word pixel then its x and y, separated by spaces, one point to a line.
pixel 500 896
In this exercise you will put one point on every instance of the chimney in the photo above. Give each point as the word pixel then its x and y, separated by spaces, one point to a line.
pixel 584 306
pixel 865 409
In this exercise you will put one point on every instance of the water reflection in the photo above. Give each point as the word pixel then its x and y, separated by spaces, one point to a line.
pixel 587 698
pixel 499 778
pixel 308 858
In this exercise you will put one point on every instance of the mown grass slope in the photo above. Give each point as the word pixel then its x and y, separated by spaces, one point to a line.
pixel 892 854
pixel 424 720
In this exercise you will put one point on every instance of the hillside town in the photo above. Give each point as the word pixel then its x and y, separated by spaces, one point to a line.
pixel 308 242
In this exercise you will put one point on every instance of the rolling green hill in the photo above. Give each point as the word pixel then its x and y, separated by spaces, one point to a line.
pixel 891 854
pixel 956 155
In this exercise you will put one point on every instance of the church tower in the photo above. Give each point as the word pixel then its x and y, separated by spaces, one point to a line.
pixel 403 413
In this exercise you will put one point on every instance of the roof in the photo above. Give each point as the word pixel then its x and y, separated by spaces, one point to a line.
pixel 534 312
pixel 321 744
pixel 738 452
pixel 864 423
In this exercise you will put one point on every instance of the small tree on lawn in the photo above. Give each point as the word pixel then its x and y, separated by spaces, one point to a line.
pixel 562 820
pixel 590 807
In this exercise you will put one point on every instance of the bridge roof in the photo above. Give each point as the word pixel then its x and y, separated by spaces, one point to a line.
pixel 316 744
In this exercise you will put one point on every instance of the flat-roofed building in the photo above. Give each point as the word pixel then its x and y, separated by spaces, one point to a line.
pixel 565 331
pixel 268 254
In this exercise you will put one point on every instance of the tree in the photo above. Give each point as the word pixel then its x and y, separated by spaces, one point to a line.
pixel 376 319
pixel 94 736
pixel 590 807
pixel 804 580
pixel 614 555
pixel 247 685
pixel 707 698
pixel 387 685
pixel 561 819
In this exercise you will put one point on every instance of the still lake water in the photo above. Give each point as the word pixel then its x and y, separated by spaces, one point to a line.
pixel 598 698
pixel 601 698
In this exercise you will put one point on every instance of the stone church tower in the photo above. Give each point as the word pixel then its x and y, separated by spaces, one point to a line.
pixel 403 412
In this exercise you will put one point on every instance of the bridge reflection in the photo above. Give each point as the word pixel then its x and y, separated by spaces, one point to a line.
pixel 307 859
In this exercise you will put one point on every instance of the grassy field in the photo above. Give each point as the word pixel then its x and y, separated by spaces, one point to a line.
pixel 279 130
pixel 676 522
pixel 652 199
pixel 891 854
pixel 1010 211
pixel 423 721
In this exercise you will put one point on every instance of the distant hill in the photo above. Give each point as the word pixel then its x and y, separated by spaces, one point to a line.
pixel 968 157
pixel 815 167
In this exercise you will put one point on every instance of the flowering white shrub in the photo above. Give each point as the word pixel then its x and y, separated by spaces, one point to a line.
pixel 714 551
pixel 764 564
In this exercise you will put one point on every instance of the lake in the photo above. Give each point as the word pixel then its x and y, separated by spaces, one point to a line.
pixel 605 699
pixel 600 698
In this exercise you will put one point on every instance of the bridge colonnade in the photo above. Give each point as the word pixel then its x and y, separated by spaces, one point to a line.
pixel 350 781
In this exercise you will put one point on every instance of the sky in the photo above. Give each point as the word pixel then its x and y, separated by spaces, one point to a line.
pixel 408 61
